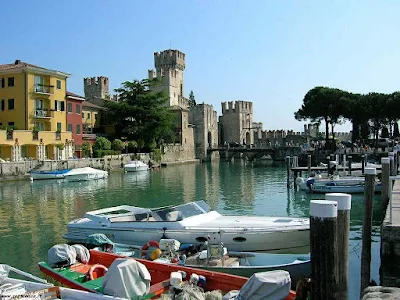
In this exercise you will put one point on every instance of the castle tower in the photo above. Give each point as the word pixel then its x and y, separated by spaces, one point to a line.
pixel 237 123
pixel 96 87
pixel 170 65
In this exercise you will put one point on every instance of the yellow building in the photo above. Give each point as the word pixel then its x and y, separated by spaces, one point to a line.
pixel 33 112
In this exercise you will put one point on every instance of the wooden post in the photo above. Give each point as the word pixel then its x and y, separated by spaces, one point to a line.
pixel 391 157
pixel 288 170
pixel 385 182
pixel 396 158
pixel 323 248
pixel 350 161
pixel 369 191
pixel 362 164
pixel 366 159
pixel 343 232
pixel 309 164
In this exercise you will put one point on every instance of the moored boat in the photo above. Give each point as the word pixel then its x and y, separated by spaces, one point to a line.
pixel 191 223
pixel 41 175
pixel 85 174
pixel 110 274
pixel 136 166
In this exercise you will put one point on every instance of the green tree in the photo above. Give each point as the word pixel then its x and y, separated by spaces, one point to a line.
pixel 396 132
pixel 322 104
pixel 140 113
pixel 132 144
pixel 192 100
pixel 102 143
pixel 140 143
pixel 377 112
pixel 117 145
pixel 384 132
pixel 86 149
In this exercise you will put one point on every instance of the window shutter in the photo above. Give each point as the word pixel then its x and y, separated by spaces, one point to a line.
pixel 2 105
pixel 55 104
pixel 62 106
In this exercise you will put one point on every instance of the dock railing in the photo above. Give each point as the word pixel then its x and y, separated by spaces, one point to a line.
pixel 392 179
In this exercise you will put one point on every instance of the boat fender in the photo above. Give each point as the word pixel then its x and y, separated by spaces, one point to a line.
pixel 147 246
pixel 92 275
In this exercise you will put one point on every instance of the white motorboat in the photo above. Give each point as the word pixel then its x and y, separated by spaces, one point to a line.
pixel 335 184
pixel 136 166
pixel 37 288
pixel 191 223
pixel 85 174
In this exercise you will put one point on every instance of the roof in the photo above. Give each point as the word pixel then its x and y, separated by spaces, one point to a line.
pixel 20 66
pixel 74 96
pixel 88 104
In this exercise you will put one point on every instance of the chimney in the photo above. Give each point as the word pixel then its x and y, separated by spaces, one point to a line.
pixel 17 62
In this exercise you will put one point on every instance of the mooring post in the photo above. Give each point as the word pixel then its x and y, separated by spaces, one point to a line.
pixel 396 158
pixel 323 248
pixel 328 158
pixel 309 164
pixel 369 191
pixel 343 232
pixel 392 167
pixel 385 182
pixel 288 170
pixel 366 159
pixel 362 164
pixel 350 161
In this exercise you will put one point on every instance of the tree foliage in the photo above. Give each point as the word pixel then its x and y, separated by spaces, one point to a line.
pixel 140 112
pixel 86 149
pixel 192 100
pixel 369 113
pixel 102 143
pixel 117 145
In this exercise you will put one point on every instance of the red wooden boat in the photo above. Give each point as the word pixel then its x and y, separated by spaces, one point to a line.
pixel 75 276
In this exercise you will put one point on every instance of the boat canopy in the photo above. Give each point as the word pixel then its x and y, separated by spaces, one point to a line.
pixel 126 213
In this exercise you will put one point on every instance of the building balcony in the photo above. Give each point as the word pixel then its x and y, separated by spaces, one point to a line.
pixel 29 137
pixel 89 136
pixel 43 89
pixel 42 113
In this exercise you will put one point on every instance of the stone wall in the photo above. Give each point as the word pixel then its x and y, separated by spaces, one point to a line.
pixel 177 153
pixel 205 121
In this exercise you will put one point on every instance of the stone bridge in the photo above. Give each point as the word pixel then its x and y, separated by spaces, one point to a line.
pixel 276 153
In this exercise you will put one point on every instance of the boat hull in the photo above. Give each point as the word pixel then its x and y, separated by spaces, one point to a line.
pixel 85 177
pixel 136 168
pixel 350 189
pixel 48 175
pixel 283 241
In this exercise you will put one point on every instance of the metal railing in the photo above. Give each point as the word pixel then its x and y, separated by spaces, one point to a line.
pixel 41 113
pixel 44 89
pixel 391 193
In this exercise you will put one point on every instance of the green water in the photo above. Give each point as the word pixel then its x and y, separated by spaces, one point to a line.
pixel 33 216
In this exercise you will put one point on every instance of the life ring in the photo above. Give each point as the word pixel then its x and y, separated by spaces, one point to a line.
pixel 95 271
pixel 147 246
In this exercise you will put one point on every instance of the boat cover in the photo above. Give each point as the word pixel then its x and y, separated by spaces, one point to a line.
pixel 61 255
pixel 82 253
pixel 126 278
pixel 98 239
pixel 272 285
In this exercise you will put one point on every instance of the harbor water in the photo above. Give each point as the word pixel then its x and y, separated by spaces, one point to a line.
pixel 33 216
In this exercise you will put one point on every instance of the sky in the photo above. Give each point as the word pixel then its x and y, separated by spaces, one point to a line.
pixel 268 52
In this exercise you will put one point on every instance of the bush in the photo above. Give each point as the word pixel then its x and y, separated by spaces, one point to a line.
pixel 132 144
pixel 101 153
pixel 102 144
pixel 60 146
pixel 117 145
pixel 152 145
pixel 157 155
pixel 86 149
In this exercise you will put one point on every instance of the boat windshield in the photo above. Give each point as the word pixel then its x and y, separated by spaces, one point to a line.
pixel 181 212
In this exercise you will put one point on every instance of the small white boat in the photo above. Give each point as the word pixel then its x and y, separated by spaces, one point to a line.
pixel 191 223
pixel 335 184
pixel 37 288
pixel 85 174
pixel 42 175
pixel 136 166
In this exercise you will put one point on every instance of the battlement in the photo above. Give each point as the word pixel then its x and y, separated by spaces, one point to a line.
pixel 169 59
pixel 237 107
pixel 96 87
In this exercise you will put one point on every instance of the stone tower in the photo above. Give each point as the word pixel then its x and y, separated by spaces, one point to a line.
pixel 96 87
pixel 236 123
pixel 170 65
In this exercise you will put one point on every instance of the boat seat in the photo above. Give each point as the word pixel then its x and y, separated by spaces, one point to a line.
pixel 96 284
pixel 174 216
pixel 151 219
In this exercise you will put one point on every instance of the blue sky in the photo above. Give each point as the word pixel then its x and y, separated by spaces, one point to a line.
pixel 268 52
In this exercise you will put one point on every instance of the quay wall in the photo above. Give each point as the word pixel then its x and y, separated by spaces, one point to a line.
pixel 390 243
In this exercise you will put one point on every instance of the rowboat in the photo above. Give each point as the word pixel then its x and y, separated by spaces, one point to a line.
pixel 109 273
pixel 191 223
pixel 41 175
pixel 136 166
pixel 211 258
pixel 32 287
